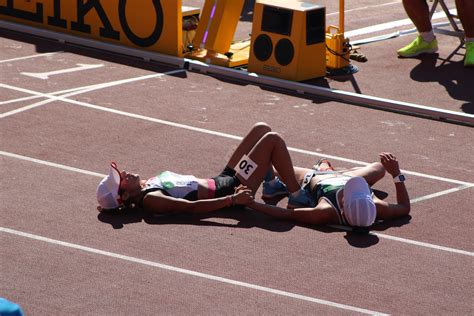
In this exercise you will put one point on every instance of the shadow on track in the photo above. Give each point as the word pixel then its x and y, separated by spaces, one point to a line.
pixel 246 218
pixel 452 75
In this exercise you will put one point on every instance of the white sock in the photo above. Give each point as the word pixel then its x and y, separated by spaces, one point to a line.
pixel 428 36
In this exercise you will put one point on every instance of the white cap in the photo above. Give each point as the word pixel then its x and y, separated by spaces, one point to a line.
pixel 108 189
pixel 359 207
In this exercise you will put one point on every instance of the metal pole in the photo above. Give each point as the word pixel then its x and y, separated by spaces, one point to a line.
pixel 341 16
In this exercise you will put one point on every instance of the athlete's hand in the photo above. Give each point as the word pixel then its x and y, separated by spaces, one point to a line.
pixel 243 195
pixel 390 163
pixel 242 188
pixel 243 198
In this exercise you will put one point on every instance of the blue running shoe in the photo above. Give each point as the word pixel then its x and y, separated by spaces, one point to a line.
pixel 274 189
pixel 302 199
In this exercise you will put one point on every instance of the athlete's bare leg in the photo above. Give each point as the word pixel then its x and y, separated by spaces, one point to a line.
pixel 270 151
pixel 371 173
pixel 248 142
pixel 419 12
pixel 466 15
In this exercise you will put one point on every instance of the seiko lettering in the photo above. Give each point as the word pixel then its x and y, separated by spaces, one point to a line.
pixel 101 19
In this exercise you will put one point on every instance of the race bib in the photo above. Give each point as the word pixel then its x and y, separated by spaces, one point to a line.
pixel 245 167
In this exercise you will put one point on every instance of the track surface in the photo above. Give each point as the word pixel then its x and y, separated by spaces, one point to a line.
pixel 59 256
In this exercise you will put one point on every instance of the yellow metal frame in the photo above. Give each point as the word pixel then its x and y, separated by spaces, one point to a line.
pixel 337 51
pixel 212 43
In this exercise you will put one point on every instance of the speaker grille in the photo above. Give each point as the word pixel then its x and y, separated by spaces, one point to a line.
pixel 263 47
pixel 316 26
pixel 277 20
pixel 284 52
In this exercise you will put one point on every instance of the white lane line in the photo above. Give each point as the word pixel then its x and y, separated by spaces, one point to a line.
pixel 25 108
pixel 123 113
pixel 210 132
pixel 365 8
pixel 357 162
pixel 21 99
pixel 39 97
pixel 51 98
pixel 46 75
pixel 28 57
pixel 390 25
pixel 189 272
pixel 51 164
pixel 411 242
pixel 59 92
pixel 426 245
pixel 440 193
pixel 67 168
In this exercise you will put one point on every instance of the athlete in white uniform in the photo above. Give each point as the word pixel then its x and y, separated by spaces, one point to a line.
pixel 175 185
pixel 259 152
pixel 345 197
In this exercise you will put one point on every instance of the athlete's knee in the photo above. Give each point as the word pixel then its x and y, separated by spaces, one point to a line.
pixel 262 128
pixel 273 137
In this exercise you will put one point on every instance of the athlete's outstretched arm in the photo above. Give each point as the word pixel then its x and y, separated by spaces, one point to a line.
pixel 402 208
pixel 316 216
pixel 158 203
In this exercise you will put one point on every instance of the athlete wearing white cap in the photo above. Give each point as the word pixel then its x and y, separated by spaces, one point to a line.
pixel 170 192
pixel 108 190
pixel 345 197
pixel 359 207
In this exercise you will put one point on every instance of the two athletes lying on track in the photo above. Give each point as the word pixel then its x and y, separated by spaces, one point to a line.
pixel 315 197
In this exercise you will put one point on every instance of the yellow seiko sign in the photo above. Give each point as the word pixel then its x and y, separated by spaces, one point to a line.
pixel 154 25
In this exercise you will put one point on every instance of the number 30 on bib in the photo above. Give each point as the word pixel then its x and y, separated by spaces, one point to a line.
pixel 245 167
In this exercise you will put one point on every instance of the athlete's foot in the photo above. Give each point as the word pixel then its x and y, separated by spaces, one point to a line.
pixel 418 47
pixel 469 57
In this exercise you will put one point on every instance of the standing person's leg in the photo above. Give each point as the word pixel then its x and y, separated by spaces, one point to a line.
pixel 419 12
pixel 466 15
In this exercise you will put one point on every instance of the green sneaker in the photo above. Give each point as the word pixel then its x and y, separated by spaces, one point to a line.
pixel 469 57
pixel 418 47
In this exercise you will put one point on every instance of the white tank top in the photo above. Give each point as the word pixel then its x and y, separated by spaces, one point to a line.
pixel 176 185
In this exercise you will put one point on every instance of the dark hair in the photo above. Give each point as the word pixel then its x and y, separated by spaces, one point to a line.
pixel 127 205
